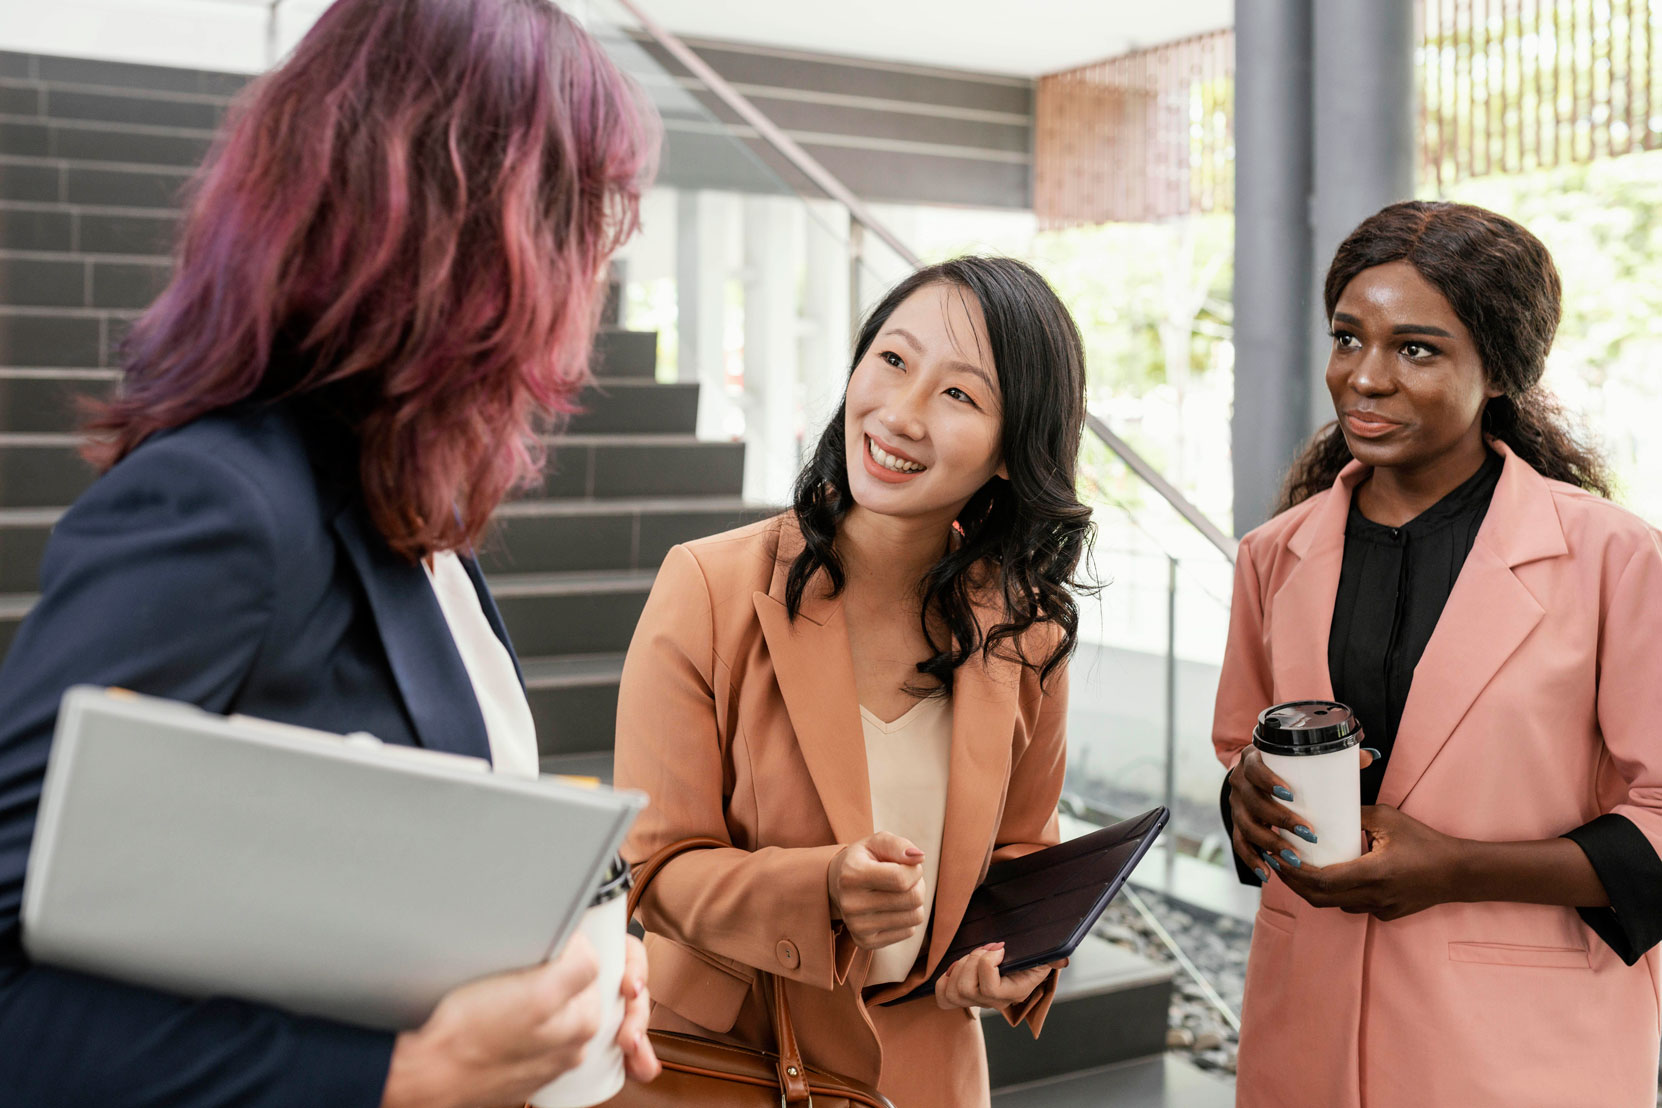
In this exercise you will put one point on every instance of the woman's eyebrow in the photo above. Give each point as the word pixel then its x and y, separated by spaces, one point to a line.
pixel 908 336
pixel 960 366
pixel 1401 329
pixel 966 367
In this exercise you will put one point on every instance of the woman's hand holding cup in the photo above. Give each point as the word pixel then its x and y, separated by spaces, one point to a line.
pixel 496 1040
pixel 877 890
pixel 1256 808
pixel 638 1058
pixel 1256 796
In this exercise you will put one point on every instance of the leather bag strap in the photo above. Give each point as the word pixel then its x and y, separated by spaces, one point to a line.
pixel 793 1075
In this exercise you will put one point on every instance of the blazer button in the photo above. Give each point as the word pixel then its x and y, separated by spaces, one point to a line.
pixel 786 952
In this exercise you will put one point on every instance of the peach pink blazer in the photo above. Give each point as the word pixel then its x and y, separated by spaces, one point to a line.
pixel 1536 707
pixel 743 725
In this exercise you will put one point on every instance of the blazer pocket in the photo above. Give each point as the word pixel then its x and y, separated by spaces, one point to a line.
pixel 694 985
pixel 1276 919
pixel 1509 954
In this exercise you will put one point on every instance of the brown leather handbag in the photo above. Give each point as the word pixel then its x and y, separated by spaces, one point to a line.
pixel 701 1071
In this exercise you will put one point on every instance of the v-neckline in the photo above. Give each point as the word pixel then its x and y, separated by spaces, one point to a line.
pixel 900 721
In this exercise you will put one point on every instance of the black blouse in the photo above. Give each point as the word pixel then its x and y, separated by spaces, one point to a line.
pixel 1393 585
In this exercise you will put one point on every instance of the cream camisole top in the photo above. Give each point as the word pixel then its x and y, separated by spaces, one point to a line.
pixel 908 761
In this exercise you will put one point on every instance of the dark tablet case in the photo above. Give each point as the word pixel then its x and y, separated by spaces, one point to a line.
pixel 1042 905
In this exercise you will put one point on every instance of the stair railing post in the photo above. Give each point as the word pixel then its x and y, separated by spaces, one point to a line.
pixel 1171 707
pixel 856 258
pixel 271 33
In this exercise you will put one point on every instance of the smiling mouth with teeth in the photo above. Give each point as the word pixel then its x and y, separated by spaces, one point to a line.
pixel 889 461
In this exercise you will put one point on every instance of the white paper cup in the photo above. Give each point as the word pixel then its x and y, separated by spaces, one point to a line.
pixel 1315 747
pixel 599 1077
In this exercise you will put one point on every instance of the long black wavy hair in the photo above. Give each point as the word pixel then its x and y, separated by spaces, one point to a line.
pixel 1502 284
pixel 1023 538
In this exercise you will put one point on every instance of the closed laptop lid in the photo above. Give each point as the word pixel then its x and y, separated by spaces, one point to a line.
pixel 330 876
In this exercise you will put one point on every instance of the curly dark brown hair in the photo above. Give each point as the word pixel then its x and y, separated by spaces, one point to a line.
pixel 1023 538
pixel 1502 284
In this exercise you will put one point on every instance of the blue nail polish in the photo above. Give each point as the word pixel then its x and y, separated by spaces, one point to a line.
pixel 1282 793
pixel 1305 833
pixel 1377 756
pixel 1263 874
pixel 1292 859
pixel 1268 858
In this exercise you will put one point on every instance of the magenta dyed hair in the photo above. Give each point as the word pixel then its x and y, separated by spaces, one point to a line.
pixel 415 209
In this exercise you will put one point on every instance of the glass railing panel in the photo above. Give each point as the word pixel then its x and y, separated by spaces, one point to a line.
pixel 1145 676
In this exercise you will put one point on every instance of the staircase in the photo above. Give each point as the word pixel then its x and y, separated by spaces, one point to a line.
pixel 92 156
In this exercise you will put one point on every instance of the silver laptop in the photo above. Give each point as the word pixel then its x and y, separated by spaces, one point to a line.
pixel 327 875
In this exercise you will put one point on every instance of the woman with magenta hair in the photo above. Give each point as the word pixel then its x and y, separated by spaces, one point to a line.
pixel 385 292
pixel 1448 566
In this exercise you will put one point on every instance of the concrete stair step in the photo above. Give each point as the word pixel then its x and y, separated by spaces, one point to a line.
pixel 574 703
pixel 1111 1006
pixel 120 75
pixel 588 535
pixel 35 137
pixel 547 536
pixel 79 336
pixel 44 399
pixel 42 470
pixel 85 103
pixel 591 765
pixel 80 181
pixel 42 279
pixel 620 353
pixel 1165 1081
pixel 67 337
pixel 551 614
pixel 548 615
pixel 66 228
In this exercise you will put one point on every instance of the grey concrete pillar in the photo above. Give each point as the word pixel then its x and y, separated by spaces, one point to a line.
pixel 1364 101
pixel 1272 248
pixel 1324 137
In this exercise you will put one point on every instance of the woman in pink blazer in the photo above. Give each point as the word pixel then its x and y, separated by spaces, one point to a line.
pixel 1448 566
pixel 773 695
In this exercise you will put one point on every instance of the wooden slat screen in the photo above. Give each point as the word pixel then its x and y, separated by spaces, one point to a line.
pixel 1509 86
pixel 1505 86
pixel 1140 137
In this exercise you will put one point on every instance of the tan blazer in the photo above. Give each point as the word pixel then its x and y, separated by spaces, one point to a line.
pixel 745 726
pixel 1536 707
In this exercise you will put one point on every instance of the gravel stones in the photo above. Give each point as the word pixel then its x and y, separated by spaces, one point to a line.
pixel 1218 947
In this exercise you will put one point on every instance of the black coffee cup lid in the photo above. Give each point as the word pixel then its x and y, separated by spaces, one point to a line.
pixel 616 881
pixel 1303 727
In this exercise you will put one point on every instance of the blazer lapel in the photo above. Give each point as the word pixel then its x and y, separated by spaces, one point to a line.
pixel 983 727
pixel 1489 615
pixel 430 674
pixel 815 672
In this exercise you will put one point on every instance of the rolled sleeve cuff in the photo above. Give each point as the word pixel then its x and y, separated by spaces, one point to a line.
pixel 1631 871
pixel 1033 1009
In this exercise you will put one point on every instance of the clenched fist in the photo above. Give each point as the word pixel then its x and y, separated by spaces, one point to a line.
pixel 877 890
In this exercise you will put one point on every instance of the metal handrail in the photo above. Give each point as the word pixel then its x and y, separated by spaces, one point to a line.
pixel 1157 481
pixel 862 217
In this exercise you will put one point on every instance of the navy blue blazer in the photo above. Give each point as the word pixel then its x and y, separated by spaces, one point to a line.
pixel 230 564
